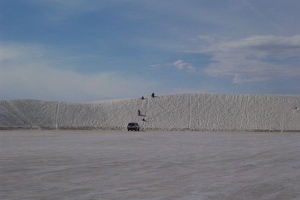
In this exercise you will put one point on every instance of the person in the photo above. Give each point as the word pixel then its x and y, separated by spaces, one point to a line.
pixel 139 112
pixel 153 95
pixel 143 119
pixel 142 98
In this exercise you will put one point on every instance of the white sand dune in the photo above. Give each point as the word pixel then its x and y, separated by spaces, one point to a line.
pixel 209 112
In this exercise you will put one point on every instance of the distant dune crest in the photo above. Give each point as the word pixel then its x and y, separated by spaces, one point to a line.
pixel 201 112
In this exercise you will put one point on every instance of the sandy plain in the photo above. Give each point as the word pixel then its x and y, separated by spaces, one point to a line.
pixel 148 165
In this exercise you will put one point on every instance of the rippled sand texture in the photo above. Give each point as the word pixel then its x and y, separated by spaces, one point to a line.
pixel 148 165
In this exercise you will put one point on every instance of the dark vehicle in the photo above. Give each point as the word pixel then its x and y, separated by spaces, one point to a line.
pixel 133 126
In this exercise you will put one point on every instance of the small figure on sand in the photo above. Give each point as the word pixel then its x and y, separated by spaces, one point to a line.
pixel 153 95
pixel 143 119
pixel 143 98
pixel 139 112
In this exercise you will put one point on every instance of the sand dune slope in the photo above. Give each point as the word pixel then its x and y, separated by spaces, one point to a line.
pixel 216 112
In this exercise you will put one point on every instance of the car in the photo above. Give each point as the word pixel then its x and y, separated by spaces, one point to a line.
pixel 133 126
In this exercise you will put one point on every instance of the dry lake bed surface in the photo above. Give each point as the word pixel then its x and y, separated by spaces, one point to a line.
pixel 148 165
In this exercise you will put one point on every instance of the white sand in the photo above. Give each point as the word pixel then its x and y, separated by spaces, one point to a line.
pixel 170 112
pixel 58 165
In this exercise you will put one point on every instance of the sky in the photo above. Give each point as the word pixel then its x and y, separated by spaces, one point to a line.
pixel 89 50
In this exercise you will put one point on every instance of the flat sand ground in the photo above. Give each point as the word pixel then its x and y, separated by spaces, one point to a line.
pixel 148 165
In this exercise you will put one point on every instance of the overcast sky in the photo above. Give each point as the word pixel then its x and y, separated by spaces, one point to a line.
pixel 89 50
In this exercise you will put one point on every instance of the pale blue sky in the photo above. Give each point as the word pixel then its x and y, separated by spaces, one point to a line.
pixel 88 50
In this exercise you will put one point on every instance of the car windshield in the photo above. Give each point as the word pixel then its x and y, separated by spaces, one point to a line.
pixel 131 124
